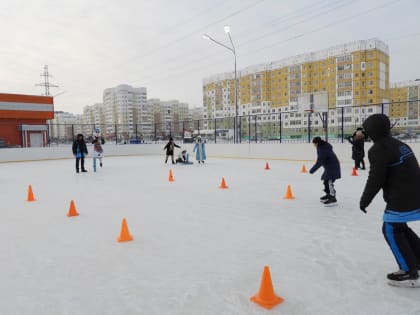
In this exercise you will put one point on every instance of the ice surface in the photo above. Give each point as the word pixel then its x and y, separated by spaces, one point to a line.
pixel 197 249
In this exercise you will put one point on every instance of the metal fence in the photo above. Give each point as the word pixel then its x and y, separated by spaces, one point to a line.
pixel 275 127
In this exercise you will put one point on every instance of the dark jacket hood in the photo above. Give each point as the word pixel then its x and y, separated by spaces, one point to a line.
pixel 377 126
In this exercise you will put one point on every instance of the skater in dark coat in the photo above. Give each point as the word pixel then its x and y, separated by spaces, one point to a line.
pixel 328 160
pixel 395 170
pixel 79 151
pixel 358 148
pixel 169 147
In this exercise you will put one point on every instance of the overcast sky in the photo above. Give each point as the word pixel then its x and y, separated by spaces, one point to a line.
pixel 97 44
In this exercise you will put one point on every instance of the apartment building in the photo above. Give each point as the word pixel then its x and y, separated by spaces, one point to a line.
pixel 168 116
pixel 64 126
pixel 93 117
pixel 351 75
pixel 406 109
pixel 126 107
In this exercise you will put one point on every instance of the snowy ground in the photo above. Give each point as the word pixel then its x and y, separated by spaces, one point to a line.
pixel 197 249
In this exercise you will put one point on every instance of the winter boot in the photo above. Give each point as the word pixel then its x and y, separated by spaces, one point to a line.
pixel 84 171
pixel 331 201
pixel 100 164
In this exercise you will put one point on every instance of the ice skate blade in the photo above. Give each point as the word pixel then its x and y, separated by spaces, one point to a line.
pixel 329 205
pixel 405 283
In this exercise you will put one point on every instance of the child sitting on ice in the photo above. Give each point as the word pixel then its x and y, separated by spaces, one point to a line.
pixel 183 158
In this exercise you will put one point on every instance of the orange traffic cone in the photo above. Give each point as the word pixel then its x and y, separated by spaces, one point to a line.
pixel 303 170
pixel 266 296
pixel 223 184
pixel 267 167
pixel 125 235
pixel 171 177
pixel 354 173
pixel 72 210
pixel 30 194
pixel 289 194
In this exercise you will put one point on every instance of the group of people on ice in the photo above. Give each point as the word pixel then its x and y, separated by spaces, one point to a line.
pixel 183 157
pixel 80 151
pixel 394 169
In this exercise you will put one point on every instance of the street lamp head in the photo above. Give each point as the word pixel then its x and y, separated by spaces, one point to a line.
pixel 205 36
pixel 227 29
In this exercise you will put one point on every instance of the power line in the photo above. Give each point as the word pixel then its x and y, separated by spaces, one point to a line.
pixel 350 17
pixel 200 57
pixel 46 84
pixel 290 38
pixel 331 9
pixel 194 32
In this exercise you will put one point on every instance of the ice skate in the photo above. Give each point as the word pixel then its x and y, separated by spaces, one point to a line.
pixel 330 202
pixel 324 198
pixel 405 279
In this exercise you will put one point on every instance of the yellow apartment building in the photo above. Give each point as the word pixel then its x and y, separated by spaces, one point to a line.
pixel 406 107
pixel 352 74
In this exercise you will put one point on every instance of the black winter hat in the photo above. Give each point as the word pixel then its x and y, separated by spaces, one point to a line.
pixel 377 126
pixel 317 140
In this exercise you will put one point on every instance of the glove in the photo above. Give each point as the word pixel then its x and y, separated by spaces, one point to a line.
pixel 363 208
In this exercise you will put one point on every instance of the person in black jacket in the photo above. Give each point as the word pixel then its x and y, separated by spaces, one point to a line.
pixel 169 147
pixel 328 160
pixel 395 170
pixel 79 151
pixel 358 148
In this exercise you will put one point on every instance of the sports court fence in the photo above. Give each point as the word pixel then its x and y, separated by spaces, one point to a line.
pixel 274 127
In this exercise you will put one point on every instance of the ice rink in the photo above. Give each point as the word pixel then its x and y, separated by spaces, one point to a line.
pixel 197 249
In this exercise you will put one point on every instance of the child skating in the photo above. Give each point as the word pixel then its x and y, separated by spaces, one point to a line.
pixel 395 170
pixel 169 147
pixel 97 154
pixel 328 160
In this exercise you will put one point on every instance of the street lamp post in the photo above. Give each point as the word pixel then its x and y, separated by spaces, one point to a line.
pixel 233 50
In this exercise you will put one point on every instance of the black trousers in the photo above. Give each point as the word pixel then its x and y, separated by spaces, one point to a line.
pixel 329 187
pixel 404 244
pixel 172 157
pixel 359 163
pixel 82 162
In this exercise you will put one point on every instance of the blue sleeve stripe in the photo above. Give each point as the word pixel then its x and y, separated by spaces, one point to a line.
pixel 402 158
pixel 395 216
pixel 389 231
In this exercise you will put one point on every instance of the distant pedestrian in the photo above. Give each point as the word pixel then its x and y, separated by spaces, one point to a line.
pixel 169 147
pixel 80 151
pixel 200 150
pixel 329 161
pixel 358 148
